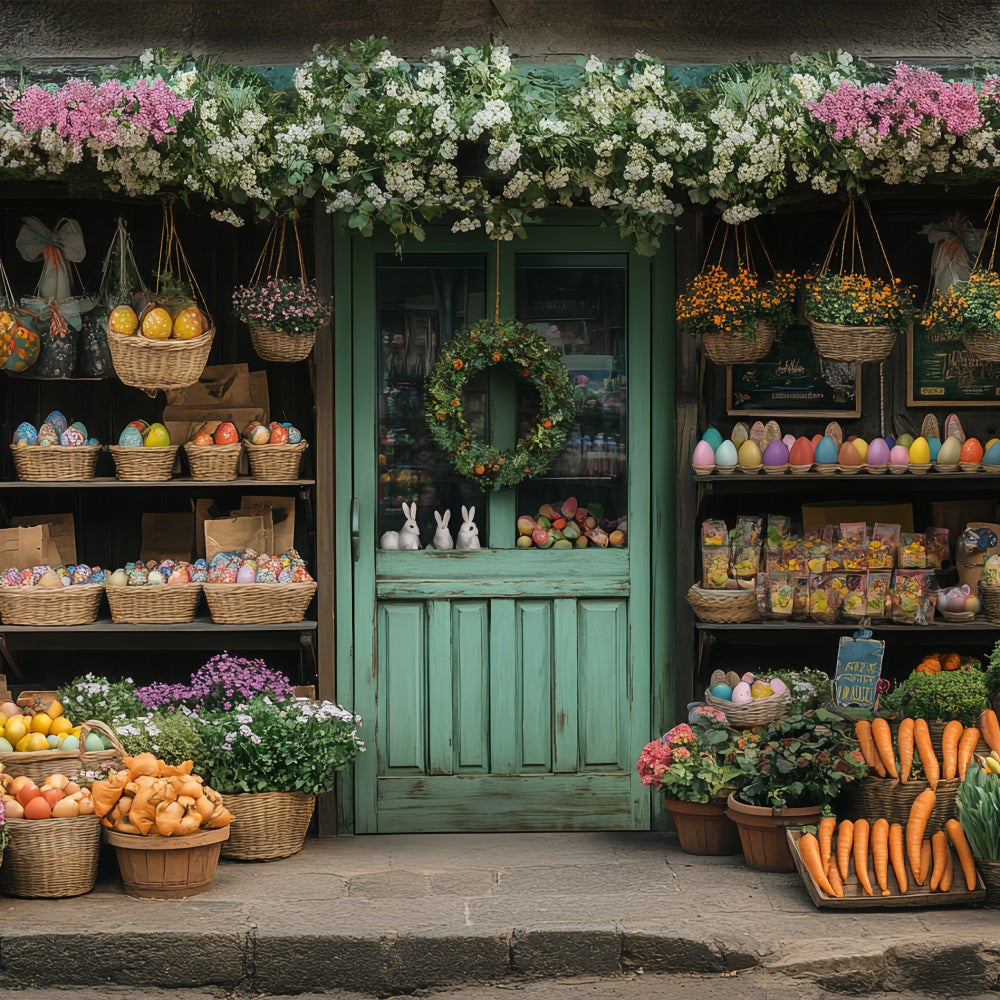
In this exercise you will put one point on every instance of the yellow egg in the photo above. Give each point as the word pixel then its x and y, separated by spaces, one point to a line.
pixel 748 456
pixel 189 324
pixel 920 452
pixel 123 320
pixel 157 324
pixel 862 447
pixel 951 451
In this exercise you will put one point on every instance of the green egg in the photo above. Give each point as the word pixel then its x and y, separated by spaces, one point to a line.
pixel 93 743
pixel 108 745
pixel 70 743
pixel 5 747
pixel 53 741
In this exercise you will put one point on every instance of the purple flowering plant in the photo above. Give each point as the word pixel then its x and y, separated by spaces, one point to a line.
pixel 284 304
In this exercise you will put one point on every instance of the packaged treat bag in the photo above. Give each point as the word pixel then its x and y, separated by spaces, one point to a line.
pixel 855 603
pixel 909 606
pixel 715 569
pixel 877 598
pixel 884 546
pixel 747 545
pixel 800 597
pixel 912 550
pixel 714 534
pixel 826 591
pixel 936 541
pixel 817 551
pixel 990 575
pixel 780 595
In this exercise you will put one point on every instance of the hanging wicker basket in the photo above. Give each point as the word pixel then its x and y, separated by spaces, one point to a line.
pixel 75 605
pixel 728 349
pixel 55 463
pixel 267 825
pixel 852 343
pixel 258 603
pixel 159 364
pixel 50 858
pixel 143 465
pixel 275 461
pixel 276 345
pixel 219 462
pixel 983 346
pixel 160 605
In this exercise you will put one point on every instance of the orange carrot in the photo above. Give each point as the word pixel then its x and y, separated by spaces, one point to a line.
pixel 939 848
pixel 809 852
pixel 949 873
pixel 964 852
pixel 861 834
pixel 882 738
pixel 824 834
pixel 904 738
pixel 925 863
pixel 990 728
pixel 916 824
pixel 835 881
pixel 880 853
pixel 966 748
pixel 949 749
pixel 845 841
pixel 922 738
pixel 863 731
pixel 897 855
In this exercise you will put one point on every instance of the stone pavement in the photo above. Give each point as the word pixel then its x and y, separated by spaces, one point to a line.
pixel 389 914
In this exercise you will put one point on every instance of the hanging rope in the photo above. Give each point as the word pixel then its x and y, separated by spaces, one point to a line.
pixel 851 250
pixel 991 222
pixel 271 262
pixel 172 258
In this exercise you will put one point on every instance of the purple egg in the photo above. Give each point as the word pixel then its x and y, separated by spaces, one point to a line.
pixel 776 453
pixel 878 452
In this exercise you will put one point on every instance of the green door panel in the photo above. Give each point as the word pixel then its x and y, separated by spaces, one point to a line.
pixel 533 642
pixel 602 677
pixel 403 670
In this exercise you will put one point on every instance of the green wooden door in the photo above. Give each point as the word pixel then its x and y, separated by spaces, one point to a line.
pixel 505 688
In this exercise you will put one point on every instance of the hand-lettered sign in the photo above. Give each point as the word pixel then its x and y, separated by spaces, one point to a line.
pixel 859 664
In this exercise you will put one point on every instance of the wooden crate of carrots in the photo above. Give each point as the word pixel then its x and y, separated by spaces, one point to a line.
pixel 875 863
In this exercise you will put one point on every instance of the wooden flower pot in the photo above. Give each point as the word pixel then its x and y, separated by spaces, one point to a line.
pixel 155 867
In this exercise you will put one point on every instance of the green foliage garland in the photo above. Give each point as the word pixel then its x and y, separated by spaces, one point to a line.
pixel 484 344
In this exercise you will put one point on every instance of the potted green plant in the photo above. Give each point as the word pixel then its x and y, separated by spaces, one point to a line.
pixel 978 800
pixel 951 694
pixel 284 316
pixel 790 771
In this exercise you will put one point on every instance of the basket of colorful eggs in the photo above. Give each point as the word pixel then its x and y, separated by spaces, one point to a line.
pixel 144 453
pixel 247 588
pixel 275 451
pixel 55 451
pixel 214 455
pixel 749 700
pixel 156 592
pixel 46 595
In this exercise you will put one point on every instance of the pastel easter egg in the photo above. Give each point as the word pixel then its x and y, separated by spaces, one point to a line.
pixel 131 437
pixel 801 452
pixel 713 437
pixel 826 452
pixel 72 438
pixel 972 451
pixel 778 686
pixel 256 433
pixel 740 433
pixel 951 449
pixel 703 455
pixel 25 434
pixel 848 454
pixel 721 691
pixel 861 447
pixel 878 452
pixel 294 434
pixel 789 440
pixel 992 454
pixel 57 420
pixel 905 440
pixel 920 451
pixel 742 693
pixel 935 446
pixel 816 438
pixel 776 453
pixel 749 456
pixel 727 457
pixel 247 573
pixel 899 455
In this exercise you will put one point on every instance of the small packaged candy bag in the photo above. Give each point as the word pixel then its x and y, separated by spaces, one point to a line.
pixel 714 534
pixel 908 590
pixel 715 568
pixel 855 603
pixel 877 598
pixel 883 547
pixel 780 595
pixel 938 549
pixel 826 592
pixel 800 597
pixel 912 550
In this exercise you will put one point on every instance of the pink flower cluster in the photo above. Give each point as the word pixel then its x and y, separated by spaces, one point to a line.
pixel 108 113
pixel 656 757
pixel 904 104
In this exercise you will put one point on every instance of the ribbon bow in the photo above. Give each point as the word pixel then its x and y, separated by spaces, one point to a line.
pixel 36 241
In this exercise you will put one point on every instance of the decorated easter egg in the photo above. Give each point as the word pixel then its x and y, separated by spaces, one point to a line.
pixel 257 433
pixel 295 435
pixel 778 686
pixel 131 437
pixel 723 691
pixel 81 427
pixel 266 575
pixel 58 421
pixel 279 434
pixel 141 426
pixel 47 434
pixel 878 452
pixel 848 455
pixel 156 578
pixel 740 433
pixel 247 573
pixel 726 455
pixel 920 452
pixel 748 456
pixel 898 455
pixel 992 454
pixel 72 438
pixel 789 440
pixel 801 452
pixel 703 454
pixel 861 447
pixel 951 449
pixel 776 453
pixel 826 452
pixel 23 349
pixel 25 434
pixel 713 437
pixel 972 451
pixel 935 446
pixel 742 693
pixel 990 443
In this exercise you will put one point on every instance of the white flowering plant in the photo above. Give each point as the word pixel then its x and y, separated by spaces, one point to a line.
pixel 278 745
pixel 92 697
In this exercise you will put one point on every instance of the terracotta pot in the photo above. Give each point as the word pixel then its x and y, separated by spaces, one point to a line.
pixel 762 832
pixel 704 827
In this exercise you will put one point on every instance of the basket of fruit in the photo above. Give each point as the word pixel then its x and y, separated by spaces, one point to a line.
pixel 55 451
pixel 162 595
pixel 749 700
pixel 144 453
pixel 275 451
pixel 251 589
pixel 39 596
pixel 214 455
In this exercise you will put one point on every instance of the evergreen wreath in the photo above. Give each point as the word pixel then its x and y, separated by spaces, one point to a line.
pixel 502 342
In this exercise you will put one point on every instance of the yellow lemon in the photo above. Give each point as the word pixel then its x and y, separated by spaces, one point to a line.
pixel 31 743
pixel 188 324
pixel 157 324
pixel 40 723
pixel 54 708
pixel 123 320
pixel 60 726
pixel 15 730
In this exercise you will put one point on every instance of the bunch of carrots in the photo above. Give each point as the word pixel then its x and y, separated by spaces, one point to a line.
pixel 958 744
pixel 828 859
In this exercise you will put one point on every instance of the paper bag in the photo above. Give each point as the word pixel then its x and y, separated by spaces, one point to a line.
pixel 22 548
pixel 234 534
pixel 969 558
pixel 204 510
pixel 282 511
pixel 62 531
pixel 167 536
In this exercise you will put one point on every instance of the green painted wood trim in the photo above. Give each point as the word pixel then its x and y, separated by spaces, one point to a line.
pixel 504 755
pixel 470 664
pixel 440 709
pixel 502 564
pixel 572 587
pixel 535 710
pixel 565 644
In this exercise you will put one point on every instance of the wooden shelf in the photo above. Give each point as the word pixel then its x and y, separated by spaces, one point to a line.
pixel 179 482
pixel 201 624
pixel 761 627
pixel 742 480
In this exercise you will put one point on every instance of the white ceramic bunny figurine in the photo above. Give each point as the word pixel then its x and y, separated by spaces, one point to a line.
pixel 442 536
pixel 468 534
pixel 408 537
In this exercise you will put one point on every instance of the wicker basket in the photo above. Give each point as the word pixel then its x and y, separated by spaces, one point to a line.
pixel 258 603
pixel 52 858
pixel 219 462
pixel 159 364
pixel 758 712
pixel 144 465
pixel 76 605
pixel 989 871
pixel 267 825
pixel 161 605
pixel 50 463
pixel 276 345
pixel 872 797
pixel 275 461
pixel 726 349
pixel 983 346
pixel 989 598
pixel 852 343
pixel 41 763
pixel 723 605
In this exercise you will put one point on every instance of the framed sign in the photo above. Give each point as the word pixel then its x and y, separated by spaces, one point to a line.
pixel 792 380
pixel 944 372
pixel 859 664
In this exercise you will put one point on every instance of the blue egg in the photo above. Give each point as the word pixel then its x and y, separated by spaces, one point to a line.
pixel 992 456
pixel 826 451
pixel 93 441
pixel 890 440
pixel 25 433
pixel 721 691
pixel 294 435
pixel 935 446
pixel 713 437
pixel 58 421
pixel 131 437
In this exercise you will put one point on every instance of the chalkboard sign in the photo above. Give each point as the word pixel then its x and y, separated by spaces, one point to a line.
pixel 859 664
pixel 793 380
pixel 944 372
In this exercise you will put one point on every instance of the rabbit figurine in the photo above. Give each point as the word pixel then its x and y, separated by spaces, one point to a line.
pixel 442 536
pixel 408 537
pixel 468 534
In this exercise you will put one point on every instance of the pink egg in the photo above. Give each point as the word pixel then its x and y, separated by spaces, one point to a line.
pixel 899 455
pixel 703 454
pixel 878 452
pixel 789 440
pixel 776 453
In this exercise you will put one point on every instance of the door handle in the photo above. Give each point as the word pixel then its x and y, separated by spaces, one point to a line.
pixel 355 529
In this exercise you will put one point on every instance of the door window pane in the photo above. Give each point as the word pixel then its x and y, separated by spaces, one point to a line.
pixel 579 303
pixel 421 301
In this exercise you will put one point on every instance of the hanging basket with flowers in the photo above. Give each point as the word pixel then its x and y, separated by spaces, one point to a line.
pixel 854 317
pixel 283 313
pixel 736 315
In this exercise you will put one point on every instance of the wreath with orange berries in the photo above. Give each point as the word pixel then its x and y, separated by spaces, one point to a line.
pixel 481 346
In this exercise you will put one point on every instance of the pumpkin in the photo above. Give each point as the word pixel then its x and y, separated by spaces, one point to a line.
pixel 952 661
pixel 930 664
